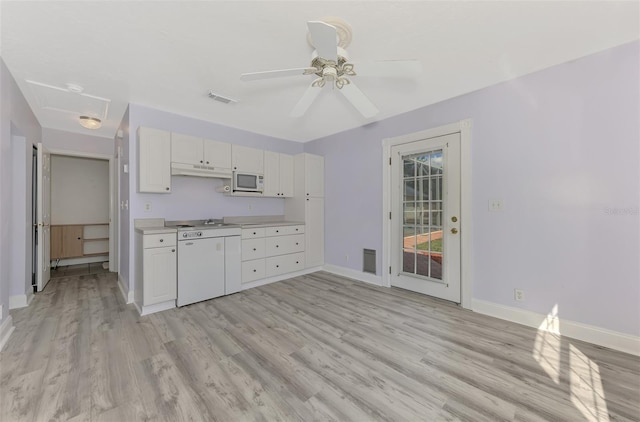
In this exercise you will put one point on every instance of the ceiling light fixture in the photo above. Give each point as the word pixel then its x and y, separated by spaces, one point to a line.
pixel 90 122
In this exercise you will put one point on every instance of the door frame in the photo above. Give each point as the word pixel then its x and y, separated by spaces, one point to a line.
pixel 114 206
pixel 463 127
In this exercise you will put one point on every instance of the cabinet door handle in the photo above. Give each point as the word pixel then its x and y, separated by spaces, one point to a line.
pixel 277 246
pixel 277 266
pixel 207 162
pixel 173 250
pixel 254 271
pixel 297 262
pixel 200 161
pixel 166 188
pixel 254 249
pixel 296 243
pixel 79 238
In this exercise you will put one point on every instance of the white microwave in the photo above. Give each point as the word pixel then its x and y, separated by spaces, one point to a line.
pixel 247 182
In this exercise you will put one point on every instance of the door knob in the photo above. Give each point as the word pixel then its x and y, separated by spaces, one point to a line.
pixel 454 230
pixel 454 219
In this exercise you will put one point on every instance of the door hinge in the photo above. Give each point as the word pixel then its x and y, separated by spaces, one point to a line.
pixel 389 160
pixel 389 215
pixel 389 269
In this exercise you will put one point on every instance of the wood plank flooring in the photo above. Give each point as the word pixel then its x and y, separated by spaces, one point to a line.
pixel 318 347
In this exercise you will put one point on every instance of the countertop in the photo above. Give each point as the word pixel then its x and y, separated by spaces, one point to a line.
pixel 155 230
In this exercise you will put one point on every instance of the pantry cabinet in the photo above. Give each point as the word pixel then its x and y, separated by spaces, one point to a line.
pixel 154 160
pixel 278 175
pixel 307 205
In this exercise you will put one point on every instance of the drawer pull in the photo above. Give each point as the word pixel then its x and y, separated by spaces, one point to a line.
pixel 173 250
pixel 277 266
pixel 161 240
pixel 297 262
pixel 254 233
pixel 297 243
pixel 254 271
pixel 277 231
pixel 297 229
pixel 254 249
pixel 166 188
pixel 277 246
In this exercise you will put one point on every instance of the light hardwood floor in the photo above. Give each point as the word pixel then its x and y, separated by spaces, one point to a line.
pixel 318 347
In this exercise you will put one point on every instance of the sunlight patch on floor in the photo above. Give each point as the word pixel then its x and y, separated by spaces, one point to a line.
pixel 546 349
pixel 587 394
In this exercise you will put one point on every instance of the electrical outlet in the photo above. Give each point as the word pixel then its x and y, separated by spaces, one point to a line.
pixel 496 205
pixel 518 295
pixel 147 207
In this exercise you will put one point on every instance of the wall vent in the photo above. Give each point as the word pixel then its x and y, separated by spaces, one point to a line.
pixel 369 261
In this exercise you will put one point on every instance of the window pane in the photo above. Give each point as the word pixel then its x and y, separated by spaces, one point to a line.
pixel 409 261
pixel 409 168
pixel 436 162
pixel 409 215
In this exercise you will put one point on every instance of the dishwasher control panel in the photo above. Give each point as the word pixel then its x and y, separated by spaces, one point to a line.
pixel 188 235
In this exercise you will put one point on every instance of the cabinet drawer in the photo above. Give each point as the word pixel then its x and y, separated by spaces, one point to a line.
pixel 281 245
pixel 284 230
pixel 158 240
pixel 253 233
pixel 284 264
pixel 252 249
pixel 252 270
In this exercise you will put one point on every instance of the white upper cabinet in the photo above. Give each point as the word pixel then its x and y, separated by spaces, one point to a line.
pixel 245 159
pixel 217 154
pixel 154 160
pixel 278 175
pixel 186 149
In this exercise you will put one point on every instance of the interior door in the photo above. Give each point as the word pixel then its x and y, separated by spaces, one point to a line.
pixel 425 193
pixel 43 272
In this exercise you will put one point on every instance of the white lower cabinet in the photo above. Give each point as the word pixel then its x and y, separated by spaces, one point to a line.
pixel 156 272
pixel 272 251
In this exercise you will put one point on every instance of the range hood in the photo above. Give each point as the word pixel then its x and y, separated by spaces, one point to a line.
pixel 180 169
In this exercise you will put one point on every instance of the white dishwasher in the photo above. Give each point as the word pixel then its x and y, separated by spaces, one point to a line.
pixel 209 263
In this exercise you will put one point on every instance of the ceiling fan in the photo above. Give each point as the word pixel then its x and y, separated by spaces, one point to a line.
pixel 331 66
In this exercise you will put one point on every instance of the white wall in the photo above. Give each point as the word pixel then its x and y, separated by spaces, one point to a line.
pixel 79 190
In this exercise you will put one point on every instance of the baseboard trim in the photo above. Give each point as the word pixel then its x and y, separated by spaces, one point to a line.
pixel 126 294
pixel 601 336
pixel 356 275
pixel 5 331
pixel 20 301
pixel 158 307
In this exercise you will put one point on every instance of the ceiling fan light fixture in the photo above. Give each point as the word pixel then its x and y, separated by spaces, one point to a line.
pixel 89 122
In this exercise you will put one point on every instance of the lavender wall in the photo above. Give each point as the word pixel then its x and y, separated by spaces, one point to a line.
pixel 192 197
pixel 17 122
pixel 561 148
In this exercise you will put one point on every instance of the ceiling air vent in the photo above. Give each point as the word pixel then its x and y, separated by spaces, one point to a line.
pixel 221 98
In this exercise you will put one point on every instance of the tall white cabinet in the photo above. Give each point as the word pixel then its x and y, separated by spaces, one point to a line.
pixel 307 205
pixel 278 175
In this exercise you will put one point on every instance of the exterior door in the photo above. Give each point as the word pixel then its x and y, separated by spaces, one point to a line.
pixel 425 217
pixel 43 271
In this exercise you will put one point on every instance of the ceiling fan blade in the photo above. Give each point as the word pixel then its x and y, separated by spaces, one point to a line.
pixel 359 100
pixel 389 68
pixel 305 102
pixel 277 73
pixel 324 39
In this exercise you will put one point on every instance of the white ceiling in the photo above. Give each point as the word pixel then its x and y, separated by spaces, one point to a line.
pixel 167 55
